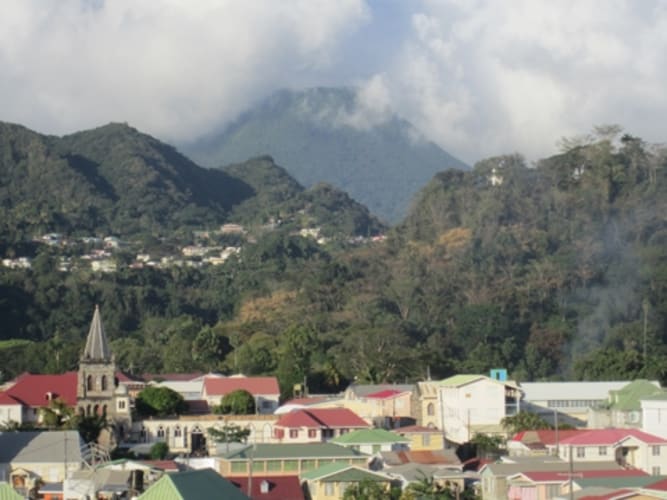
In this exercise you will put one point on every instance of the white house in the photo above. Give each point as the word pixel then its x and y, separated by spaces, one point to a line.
pixel 471 404
pixel 654 414
pixel 627 447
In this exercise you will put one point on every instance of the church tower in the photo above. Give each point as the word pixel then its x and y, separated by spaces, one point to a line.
pixel 97 392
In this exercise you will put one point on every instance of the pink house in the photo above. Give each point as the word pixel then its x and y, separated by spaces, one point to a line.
pixel 316 425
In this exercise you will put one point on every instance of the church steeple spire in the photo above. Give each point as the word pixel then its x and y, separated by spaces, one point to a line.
pixel 97 347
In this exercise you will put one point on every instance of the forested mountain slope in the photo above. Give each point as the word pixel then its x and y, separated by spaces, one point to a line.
pixel 325 135
pixel 557 270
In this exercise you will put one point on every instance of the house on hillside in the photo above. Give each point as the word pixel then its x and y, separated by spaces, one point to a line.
pixel 316 425
pixel 627 447
pixel 543 442
pixel 265 390
pixel 386 405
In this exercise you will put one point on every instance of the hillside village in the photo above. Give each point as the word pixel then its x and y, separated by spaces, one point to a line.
pixel 100 254
pixel 397 438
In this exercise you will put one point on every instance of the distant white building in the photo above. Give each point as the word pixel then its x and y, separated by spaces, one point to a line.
pixel 654 414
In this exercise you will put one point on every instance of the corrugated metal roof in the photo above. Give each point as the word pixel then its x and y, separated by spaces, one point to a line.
pixel 40 447
pixel 293 450
pixel 608 437
pixel 8 493
pixel 370 436
pixel 322 418
pixel 628 398
pixel 544 391
pixel 193 485
pixel 279 487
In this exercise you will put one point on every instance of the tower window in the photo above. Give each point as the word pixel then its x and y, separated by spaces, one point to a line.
pixel 89 383
pixel 103 383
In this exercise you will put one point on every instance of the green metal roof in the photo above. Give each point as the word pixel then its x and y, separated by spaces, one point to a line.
pixel 293 450
pixel 618 482
pixel 627 398
pixel 659 396
pixel 369 436
pixel 8 493
pixel 338 472
pixel 193 485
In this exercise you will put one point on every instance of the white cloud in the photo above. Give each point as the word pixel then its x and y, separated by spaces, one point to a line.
pixel 172 68
pixel 490 77
pixel 480 77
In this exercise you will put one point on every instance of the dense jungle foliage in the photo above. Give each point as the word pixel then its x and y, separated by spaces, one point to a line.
pixel 556 270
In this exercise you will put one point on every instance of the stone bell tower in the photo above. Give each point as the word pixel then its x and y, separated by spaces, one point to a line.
pixel 97 392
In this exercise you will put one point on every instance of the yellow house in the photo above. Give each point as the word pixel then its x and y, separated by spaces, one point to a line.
pixel 330 481
pixel 422 438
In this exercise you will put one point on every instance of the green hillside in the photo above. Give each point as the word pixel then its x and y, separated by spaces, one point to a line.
pixel 381 166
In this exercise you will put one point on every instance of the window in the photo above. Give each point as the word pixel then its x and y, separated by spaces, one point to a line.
pixel 344 431
pixel 290 465
pixel 278 433
pixel 426 439
pixel 430 410
pixel 103 383
pixel 160 432
pixel 655 470
pixel 312 433
pixel 121 404
pixel 581 452
pixel 239 467
pixel 602 450
pixel 89 382
pixel 273 466
pixel 655 450
pixel 308 465
pixel 258 466
pixel 329 489
pixel 294 433
pixel 177 431
pixel 327 433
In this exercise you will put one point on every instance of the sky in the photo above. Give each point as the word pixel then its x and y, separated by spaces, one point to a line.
pixel 478 77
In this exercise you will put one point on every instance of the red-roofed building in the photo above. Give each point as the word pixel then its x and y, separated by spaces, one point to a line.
pixel 316 425
pixel 628 447
pixel 22 401
pixel 264 389
pixel 270 487
pixel 540 485
pixel 538 442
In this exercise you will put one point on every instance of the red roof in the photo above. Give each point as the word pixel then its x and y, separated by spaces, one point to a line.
pixel 601 437
pixel 214 386
pixel 561 476
pixel 660 485
pixel 279 487
pixel 124 377
pixel 31 390
pixel 6 399
pixel 322 417
pixel 428 457
pixel 389 393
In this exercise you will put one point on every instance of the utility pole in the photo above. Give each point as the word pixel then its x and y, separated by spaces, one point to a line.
pixel 645 308
pixel 556 429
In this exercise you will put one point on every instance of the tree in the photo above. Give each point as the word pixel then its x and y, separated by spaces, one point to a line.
pixel 370 490
pixel 57 415
pixel 524 421
pixel 229 433
pixel 485 443
pixel 160 401
pixel 159 451
pixel 90 426
pixel 238 402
